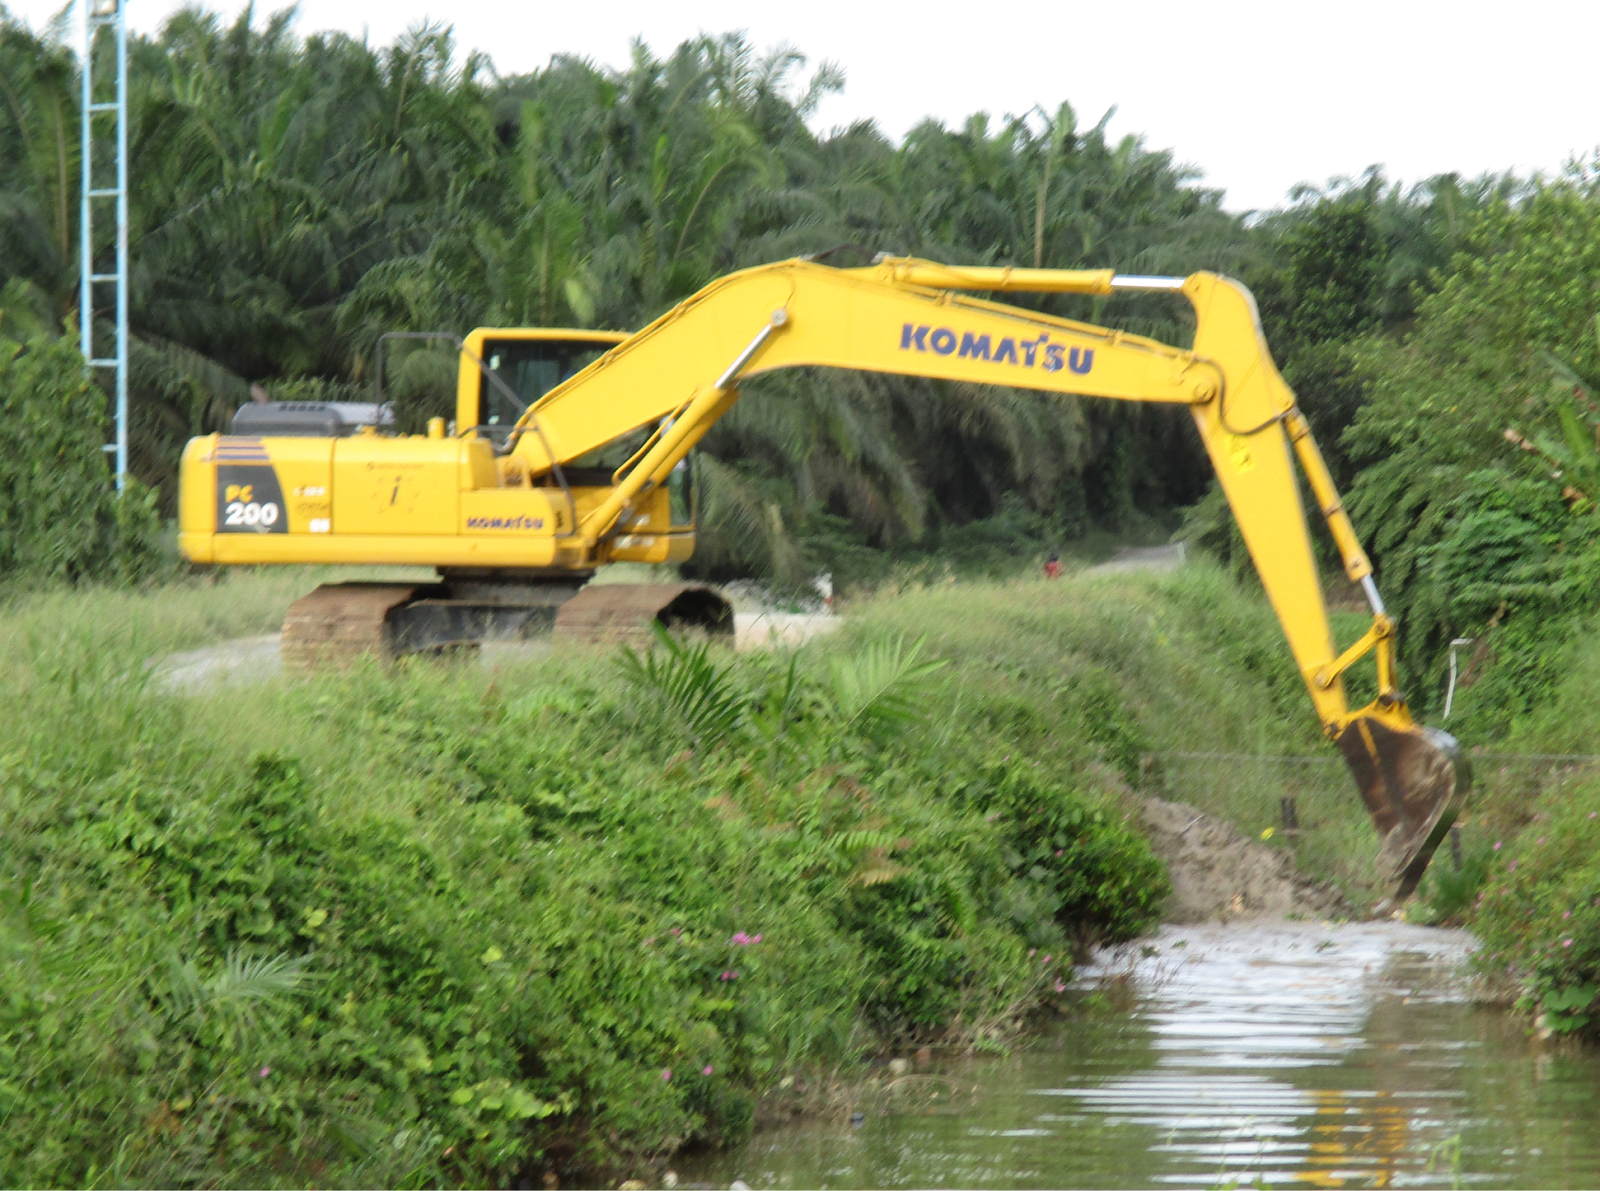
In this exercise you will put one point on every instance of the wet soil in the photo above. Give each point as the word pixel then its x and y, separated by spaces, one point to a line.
pixel 1221 875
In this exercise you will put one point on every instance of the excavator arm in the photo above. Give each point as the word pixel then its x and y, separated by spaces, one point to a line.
pixel 917 318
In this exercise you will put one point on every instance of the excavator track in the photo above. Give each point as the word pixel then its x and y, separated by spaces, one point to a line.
pixel 624 612
pixel 340 623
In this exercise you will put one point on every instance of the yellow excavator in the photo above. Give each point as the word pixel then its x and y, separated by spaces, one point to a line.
pixel 570 450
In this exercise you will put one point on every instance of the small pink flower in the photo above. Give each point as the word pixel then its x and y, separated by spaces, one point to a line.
pixel 1060 987
pixel 1566 913
pixel 1592 814
pixel 1512 866
pixel 666 1075
pixel 706 1070
pixel 1497 844
pixel 740 939
pixel 264 1072
pixel 729 975
pixel 1045 960
pixel 757 939
pixel 1566 942
pixel 1060 852
pixel 678 930
pixel 1540 840
pixel 1032 951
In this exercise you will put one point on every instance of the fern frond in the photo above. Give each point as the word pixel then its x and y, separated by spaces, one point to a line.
pixel 243 980
pixel 689 686
pixel 882 686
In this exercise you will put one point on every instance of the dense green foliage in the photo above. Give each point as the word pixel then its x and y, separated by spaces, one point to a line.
pixel 1334 272
pixel 1474 537
pixel 1530 881
pixel 60 517
pixel 334 191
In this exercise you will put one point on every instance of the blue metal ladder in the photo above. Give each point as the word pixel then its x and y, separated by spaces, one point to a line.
pixel 106 15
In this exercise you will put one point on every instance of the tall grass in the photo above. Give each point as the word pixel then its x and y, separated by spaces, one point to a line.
pixel 427 924
pixel 202 609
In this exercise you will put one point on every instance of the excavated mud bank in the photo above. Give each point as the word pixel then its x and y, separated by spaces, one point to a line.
pixel 1220 874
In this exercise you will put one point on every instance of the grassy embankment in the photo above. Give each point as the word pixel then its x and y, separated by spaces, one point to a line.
pixel 432 925
pixel 1530 887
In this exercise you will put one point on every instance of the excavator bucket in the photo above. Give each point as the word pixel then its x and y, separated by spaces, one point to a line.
pixel 1414 781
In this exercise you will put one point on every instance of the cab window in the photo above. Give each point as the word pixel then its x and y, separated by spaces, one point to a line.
pixel 530 368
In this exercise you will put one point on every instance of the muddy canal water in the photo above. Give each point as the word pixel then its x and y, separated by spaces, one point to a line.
pixel 1252 1055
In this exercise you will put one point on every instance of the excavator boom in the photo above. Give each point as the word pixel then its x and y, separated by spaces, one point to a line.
pixel 672 380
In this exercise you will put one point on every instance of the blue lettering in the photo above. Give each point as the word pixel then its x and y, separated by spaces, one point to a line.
pixel 976 346
pixel 529 523
pixel 971 346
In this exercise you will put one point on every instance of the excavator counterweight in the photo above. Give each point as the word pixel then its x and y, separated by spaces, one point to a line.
pixel 572 449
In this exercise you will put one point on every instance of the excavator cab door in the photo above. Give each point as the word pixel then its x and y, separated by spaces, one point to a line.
pixel 530 363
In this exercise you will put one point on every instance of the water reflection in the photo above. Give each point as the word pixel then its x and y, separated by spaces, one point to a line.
pixel 1278 1055
pixel 1266 1069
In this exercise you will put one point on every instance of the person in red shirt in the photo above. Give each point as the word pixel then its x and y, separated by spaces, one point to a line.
pixel 1053 568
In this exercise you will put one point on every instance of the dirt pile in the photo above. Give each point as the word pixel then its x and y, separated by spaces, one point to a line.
pixel 1219 874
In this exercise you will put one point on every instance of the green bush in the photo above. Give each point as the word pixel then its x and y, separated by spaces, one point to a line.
pixel 1448 895
pixel 1536 835
pixel 1539 913
pixel 61 516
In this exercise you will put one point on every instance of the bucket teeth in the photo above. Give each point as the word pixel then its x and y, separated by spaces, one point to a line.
pixel 1414 781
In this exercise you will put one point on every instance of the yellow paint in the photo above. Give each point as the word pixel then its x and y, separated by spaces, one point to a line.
pixel 197 490
pixel 396 485
pixel 302 465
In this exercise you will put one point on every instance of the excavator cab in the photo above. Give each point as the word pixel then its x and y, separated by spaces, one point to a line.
pixel 527 363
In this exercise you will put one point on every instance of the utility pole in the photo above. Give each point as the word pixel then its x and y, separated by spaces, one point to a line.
pixel 105 27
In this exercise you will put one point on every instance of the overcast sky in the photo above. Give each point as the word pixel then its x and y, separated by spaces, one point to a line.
pixel 1260 94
